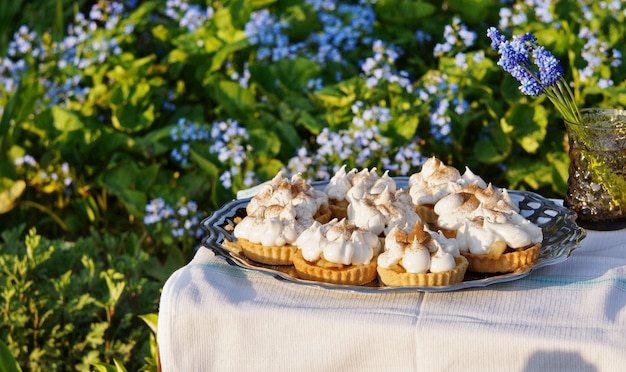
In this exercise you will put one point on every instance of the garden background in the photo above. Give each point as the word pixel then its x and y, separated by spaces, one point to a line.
pixel 124 123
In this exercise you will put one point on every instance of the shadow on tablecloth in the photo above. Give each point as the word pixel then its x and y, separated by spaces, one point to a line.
pixel 558 360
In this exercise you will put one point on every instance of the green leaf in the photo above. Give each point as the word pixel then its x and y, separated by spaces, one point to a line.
pixel 529 125
pixel 7 361
pixel 404 13
pixel 229 49
pixel 560 171
pixel 108 143
pixel 233 97
pixel 471 11
pixel 495 149
pixel 264 77
pixel 132 109
pixel 210 170
pixel 151 320
pixel 309 122
pixel 332 96
pixel 20 106
pixel 115 286
pixel 65 120
pixel 121 181
pixel 147 176
pixel 294 75
pixel 239 13
pixel 10 192
pixel 103 367
pixel 9 109
pixel 402 127
pixel 121 176
pixel 162 270
pixel 530 172
pixel 133 200
pixel 265 142
pixel 199 42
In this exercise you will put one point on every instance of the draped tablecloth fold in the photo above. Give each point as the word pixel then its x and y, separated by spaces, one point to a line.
pixel 570 316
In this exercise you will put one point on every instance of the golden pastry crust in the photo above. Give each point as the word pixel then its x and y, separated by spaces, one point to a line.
pixel 505 263
pixel 334 273
pixel 427 213
pixel 324 214
pixel 396 276
pixel 338 208
pixel 269 255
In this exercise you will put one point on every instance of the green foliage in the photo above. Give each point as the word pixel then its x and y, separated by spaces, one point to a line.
pixel 66 306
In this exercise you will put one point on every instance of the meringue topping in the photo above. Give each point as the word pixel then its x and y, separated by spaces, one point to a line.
pixel 338 241
pixel 419 251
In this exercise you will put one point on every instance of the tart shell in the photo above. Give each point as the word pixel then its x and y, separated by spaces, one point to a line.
pixel 268 254
pixel 347 275
pixel 395 278
pixel 506 263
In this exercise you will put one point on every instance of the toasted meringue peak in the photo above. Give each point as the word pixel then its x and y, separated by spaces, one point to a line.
pixel 339 184
pixel 283 192
pixel 418 234
pixel 418 251
pixel 338 241
pixel 383 183
pixel 436 172
pixel 457 203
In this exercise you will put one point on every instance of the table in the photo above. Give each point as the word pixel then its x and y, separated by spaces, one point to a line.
pixel 565 317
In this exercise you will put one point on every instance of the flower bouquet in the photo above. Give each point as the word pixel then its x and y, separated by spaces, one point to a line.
pixel 596 188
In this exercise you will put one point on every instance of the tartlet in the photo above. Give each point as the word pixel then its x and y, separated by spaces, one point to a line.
pixel 420 257
pixel 276 216
pixel 396 276
pixel 268 254
pixel 337 252
pixel 506 262
pixel 330 272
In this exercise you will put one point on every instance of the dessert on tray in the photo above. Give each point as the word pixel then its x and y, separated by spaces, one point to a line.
pixel 275 218
pixel 488 229
pixel 361 227
pixel 337 252
pixel 433 182
pixel 420 258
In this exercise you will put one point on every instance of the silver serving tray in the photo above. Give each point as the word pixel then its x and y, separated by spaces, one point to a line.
pixel 561 237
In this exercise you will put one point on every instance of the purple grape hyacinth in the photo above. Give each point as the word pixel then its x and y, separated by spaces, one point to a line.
pixel 537 70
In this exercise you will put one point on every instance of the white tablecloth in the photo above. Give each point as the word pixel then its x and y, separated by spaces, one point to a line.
pixel 565 317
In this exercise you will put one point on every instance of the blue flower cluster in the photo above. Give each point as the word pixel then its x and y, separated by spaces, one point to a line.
pixel 342 28
pixel 226 139
pixel 189 16
pixel 517 58
pixel 379 68
pixel 84 45
pixel 523 11
pixel 54 178
pixel 357 146
pixel 597 54
pixel 266 31
pixel 180 221
pixel 456 36
pixel 229 143
pixel 444 98
pixel 406 159
pixel 184 133
pixel 360 146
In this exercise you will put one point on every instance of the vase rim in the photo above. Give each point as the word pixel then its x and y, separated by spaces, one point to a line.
pixel 612 112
